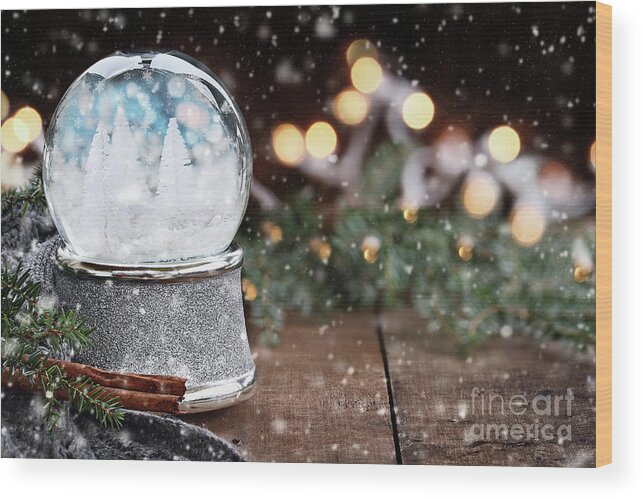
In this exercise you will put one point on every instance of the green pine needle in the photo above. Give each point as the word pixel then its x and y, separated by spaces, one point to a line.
pixel 29 197
pixel 32 334
pixel 528 290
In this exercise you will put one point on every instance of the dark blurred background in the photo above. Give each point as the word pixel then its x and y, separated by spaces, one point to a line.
pixel 531 65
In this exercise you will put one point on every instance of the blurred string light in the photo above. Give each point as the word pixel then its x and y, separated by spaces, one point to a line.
pixel 592 155
pixel 322 248
pixel 30 117
pixel 14 135
pixel 480 194
pixel 418 110
pixel 324 251
pixel 276 234
pixel 410 214
pixel 359 49
pixel 370 248
pixel 4 105
pixel 465 248
pixel 504 144
pixel 249 289
pixel 288 144
pixel 583 262
pixel 21 129
pixel 321 139
pixel 581 274
pixel 527 225
pixel 273 231
pixel 366 75
pixel 350 107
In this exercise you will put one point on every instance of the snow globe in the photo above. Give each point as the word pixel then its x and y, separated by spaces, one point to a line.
pixel 147 171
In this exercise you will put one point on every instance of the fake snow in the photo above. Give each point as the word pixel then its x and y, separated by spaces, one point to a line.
pixel 146 166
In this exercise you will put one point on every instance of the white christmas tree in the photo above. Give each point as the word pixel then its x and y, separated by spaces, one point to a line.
pixel 126 186
pixel 173 168
pixel 124 153
pixel 94 195
pixel 65 180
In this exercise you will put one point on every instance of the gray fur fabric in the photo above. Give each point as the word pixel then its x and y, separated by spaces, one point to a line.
pixel 31 238
pixel 144 436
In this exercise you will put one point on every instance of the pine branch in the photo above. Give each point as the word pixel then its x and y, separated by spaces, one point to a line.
pixel 82 392
pixel 18 291
pixel 125 398
pixel 25 198
pixel 528 290
pixel 31 334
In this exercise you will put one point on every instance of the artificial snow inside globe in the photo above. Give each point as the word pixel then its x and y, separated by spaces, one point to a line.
pixel 147 172
pixel 147 160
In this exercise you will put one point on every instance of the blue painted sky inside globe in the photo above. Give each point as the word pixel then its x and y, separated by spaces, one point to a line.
pixel 148 103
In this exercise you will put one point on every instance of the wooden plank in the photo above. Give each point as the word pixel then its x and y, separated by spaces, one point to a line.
pixel 441 421
pixel 603 234
pixel 321 397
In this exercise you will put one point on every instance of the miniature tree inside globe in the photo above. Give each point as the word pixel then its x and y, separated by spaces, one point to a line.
pixel 147 161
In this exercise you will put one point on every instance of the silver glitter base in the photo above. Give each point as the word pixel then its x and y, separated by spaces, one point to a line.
pixel 190 326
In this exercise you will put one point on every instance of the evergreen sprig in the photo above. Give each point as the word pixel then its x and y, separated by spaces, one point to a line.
pixel 33 333
pixel 530 290
pixel 29 197
pixel 500 284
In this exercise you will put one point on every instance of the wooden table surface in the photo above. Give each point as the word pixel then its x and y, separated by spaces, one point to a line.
pixel 327 393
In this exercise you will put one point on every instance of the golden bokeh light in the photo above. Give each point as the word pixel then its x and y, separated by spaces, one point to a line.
pixel 465 253
pixel 273 231
pixel 324 251
pixel 480 195
pixel 418 110
pixel 322 248
pixel 527 225
pixel 592 156
pixel 276 234
pixel 504 144
pixel 370 248
pixel 15 135
pixel 30 117
pixel 350 107
pixel 465 248
pixel 410 214
pixel 288 144
pixel 4 105
pixel 583 261
pixel 359 49
pixel 249 290
pixel 366 75
pixel 370 255
pixel 582 273
pixel 321 139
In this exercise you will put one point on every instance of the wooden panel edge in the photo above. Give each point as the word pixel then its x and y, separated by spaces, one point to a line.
pixel 603 234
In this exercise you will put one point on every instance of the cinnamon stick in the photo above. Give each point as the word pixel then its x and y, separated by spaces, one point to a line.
pixel 129 399
pixel 151 383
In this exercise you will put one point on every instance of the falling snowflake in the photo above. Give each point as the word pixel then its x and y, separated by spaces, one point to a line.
pixel 279 426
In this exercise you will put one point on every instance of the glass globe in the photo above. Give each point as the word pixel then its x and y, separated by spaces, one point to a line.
pixel 147 160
